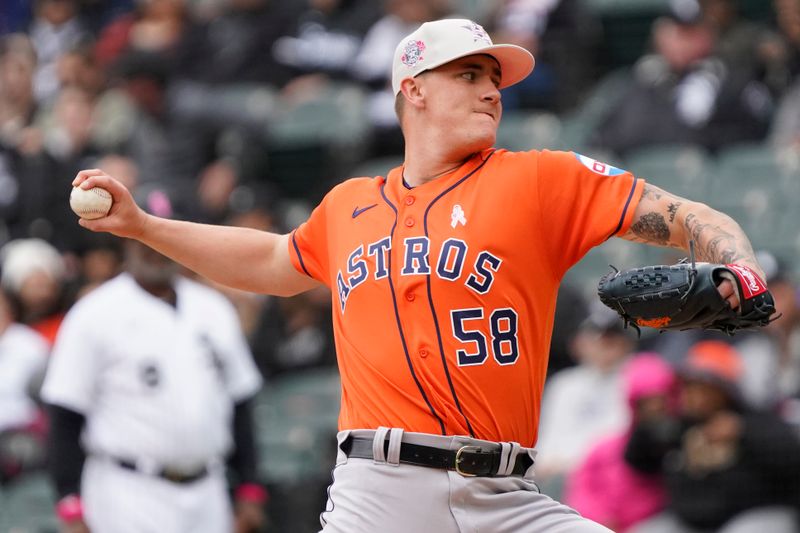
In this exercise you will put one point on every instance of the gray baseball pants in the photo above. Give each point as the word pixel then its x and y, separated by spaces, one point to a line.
pixel 382 495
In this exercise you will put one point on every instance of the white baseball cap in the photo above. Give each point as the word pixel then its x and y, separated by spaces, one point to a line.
pixel 435 43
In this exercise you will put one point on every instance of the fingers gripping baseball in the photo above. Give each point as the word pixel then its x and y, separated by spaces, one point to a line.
pixel 125 218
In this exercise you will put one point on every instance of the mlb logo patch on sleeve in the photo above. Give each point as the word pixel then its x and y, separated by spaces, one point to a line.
pixel 598 167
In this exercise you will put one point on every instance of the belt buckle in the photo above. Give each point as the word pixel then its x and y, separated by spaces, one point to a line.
pixel 459 459
pixel 173 475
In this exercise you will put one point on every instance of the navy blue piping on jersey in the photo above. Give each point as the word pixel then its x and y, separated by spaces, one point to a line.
pixel 397 317
pixel 430 296
pixel 300 256
pixel 625 209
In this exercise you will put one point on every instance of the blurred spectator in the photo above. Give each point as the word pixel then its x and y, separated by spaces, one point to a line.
pixel 123 168
pixel 18 197
pixel 67 147
pixel 785 130
pixel 683 93
pixel 23 358
pixel 164 148
pixel 771 355
pixel 295 334
pixel 235 45
pixel 327 36
pixel 78 68
pixel 584 403
pixel 217 182
pixel 783 51
pixel 17 101
pixel 563 35
pixel 605 488
pixel 727 468
pixel 369 66
pixel 571 310
pixel 34 275
pixel 154 26
pixel 56 29
pixel 99 262
pixel 742 44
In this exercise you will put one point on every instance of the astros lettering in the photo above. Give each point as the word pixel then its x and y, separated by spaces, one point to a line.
pixel 450 262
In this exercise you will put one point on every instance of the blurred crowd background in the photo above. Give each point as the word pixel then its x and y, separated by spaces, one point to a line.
pixel 245 112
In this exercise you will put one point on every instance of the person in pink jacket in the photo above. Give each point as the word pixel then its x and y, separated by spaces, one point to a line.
pixel 604 488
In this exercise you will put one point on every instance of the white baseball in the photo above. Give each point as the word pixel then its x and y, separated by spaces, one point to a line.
pixel 90 203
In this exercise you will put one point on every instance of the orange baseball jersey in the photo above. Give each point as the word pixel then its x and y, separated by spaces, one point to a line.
pixel 444 294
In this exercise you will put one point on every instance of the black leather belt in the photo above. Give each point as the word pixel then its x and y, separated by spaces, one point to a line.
pixel 468 460
pixel 175 476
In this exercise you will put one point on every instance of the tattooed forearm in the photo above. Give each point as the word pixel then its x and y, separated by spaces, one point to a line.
pixel 720 241
pixel 652 228
pixel 663 219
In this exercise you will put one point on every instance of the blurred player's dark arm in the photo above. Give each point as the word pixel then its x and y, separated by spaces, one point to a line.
pixel 250 495
pixel 65 455
pixel 663 219
pixel 243 461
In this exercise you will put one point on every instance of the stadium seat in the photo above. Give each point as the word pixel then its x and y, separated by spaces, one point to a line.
pixel 762 193
pixel 27 505
pixel 746 167
pixel 750 177
pixel 336 116
pixel 296 421
pixel 681 169
pixel 578 125
pixel 626 27
pixel 521 130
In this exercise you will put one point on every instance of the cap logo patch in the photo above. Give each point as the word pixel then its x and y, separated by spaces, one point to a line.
pixel 412 53
pixel 478 33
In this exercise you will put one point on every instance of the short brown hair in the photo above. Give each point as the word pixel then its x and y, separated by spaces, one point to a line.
pixel 399 105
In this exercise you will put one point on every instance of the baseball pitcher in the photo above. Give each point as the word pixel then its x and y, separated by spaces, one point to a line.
pixel 444 276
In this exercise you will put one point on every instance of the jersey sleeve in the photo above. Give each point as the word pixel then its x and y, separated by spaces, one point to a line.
pixel 75 362
pixel 583 203
pixel 308 244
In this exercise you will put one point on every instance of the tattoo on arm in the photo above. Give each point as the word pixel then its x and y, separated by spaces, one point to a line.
pixel 673 210
pixel 650 223
pixel 652 228
pixel 716 244
pixel 651 192
pixel 664 219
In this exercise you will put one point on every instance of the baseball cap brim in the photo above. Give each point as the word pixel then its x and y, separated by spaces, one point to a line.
pixel 515 62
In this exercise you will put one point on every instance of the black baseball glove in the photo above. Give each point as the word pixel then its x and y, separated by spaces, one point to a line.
pixel 685 296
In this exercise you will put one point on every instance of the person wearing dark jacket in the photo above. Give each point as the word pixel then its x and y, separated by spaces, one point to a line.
pixel 727 468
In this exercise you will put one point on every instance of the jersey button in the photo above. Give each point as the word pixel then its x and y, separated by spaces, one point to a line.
pixel 409 222
pixel 409 200
pixel 423 352
pixel 410 296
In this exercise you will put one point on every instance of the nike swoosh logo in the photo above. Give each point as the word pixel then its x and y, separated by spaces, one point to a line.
pixel 358 211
